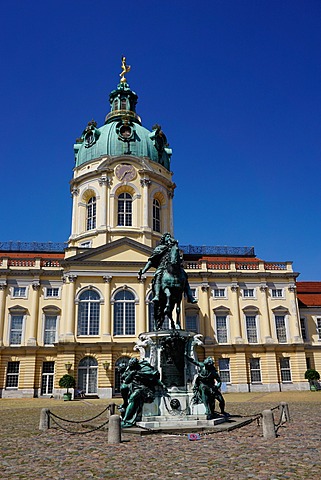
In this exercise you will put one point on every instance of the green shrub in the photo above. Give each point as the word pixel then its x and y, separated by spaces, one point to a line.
pixel 67 381
pixel 312 375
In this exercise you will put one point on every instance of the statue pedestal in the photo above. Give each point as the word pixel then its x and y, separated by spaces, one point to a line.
pixel 166 351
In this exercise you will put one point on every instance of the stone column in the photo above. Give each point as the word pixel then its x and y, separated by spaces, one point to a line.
pixel 145 183
pixel 103 182
pixel 205 318
pixel 294 323
pixel 141 321
pixel 33 327
pixel 3 286
pixel 70 308
pixel 106 317
pixel 265 323
pixel 74 195
pixel 236 322
pixel 170 195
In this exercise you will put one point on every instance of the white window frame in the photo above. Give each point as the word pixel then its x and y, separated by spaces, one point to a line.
pixel 246 292
pixel 252 314
pixel 219 292
pixel 225 370
pixel 255 370
pixel 91 214
pixel 157 215
pixel 303 323
pixel 18 287
pixel 286 369
pixel 16 374
pixel 285 327
pixel 17 313
pixel 86 244
pixel 47 376
pixel 50 314
pixel 318 327
pixel 91 309
pixel 124 319
pixel 227 323
pixel 52 288
pixel 277 293
pixel 193 313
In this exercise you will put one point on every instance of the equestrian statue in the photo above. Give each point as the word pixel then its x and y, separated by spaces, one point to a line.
pixel 170 281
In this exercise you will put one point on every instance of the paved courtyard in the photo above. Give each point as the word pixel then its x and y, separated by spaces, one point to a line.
pixel 27 453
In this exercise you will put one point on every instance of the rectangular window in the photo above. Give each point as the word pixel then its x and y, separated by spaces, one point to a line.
pixel 221 328
pixel 319 328
pixel 280 328
pixel 251 328
pixel 52 292
pixel 16 329
pixel 12 378
pixel 255 370
pixel 219 292
pixel 191 322
pixel 285 369
pixel 20 292
pixel 248 292
pixel 224 369
pixel 50 329
pixel 277 292
pixel 47 379
pixel 303 329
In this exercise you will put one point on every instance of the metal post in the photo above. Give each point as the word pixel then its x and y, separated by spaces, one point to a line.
pixel 44 419
pixel 114 429
pixel 268 424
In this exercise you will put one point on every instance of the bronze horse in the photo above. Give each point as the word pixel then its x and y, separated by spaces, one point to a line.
pixel 173 281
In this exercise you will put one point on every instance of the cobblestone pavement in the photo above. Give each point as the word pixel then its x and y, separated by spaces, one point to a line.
pixel 240 454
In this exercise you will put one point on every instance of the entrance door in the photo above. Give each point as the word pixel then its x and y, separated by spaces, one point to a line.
pixel 48 369
pixel 87 375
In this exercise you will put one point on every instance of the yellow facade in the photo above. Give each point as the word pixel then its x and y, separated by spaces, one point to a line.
pixel 82 311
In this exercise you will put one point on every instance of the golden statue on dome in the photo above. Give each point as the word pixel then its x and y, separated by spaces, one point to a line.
pixel 125 69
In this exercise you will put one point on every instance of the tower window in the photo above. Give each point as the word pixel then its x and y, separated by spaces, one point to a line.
pixel 125 210
pixel 91 213
pixel 123 104
pixel 116 104
pixel 156 216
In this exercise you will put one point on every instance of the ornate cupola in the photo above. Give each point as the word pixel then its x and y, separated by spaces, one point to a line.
pixel 122 184
pixel 123 100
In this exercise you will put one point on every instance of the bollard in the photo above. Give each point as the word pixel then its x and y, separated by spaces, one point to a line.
pixel 114 429
pixel 268 424
pixel 285 415
pixel 112 407
pixel 44 419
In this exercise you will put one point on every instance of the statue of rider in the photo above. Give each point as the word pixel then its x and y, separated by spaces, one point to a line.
pixel 158 260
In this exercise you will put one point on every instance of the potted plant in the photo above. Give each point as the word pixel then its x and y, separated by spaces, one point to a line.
pixel 312 376
pixel 67 381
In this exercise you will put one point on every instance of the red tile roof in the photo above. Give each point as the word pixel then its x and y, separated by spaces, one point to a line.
pixel 309 294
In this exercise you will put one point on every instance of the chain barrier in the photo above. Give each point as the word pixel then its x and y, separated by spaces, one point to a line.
pixel 78 432
pixel 80 421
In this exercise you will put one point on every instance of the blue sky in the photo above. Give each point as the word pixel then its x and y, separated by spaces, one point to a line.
pixel 235 85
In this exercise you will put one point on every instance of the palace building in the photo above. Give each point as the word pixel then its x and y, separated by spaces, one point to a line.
pixel 80 307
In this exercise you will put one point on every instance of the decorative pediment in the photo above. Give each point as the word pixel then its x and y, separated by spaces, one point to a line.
pixel 122 250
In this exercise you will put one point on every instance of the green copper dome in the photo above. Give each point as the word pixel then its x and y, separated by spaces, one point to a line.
pixel 122 133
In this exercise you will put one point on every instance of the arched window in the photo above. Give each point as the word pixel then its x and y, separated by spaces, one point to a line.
pixel 89 313
pixel 125 210
pixel 123 104
pixel 120 365
pixel 156 215
pixel 87 375
pixel 116 104
pixel 91 213
pixel 124 313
